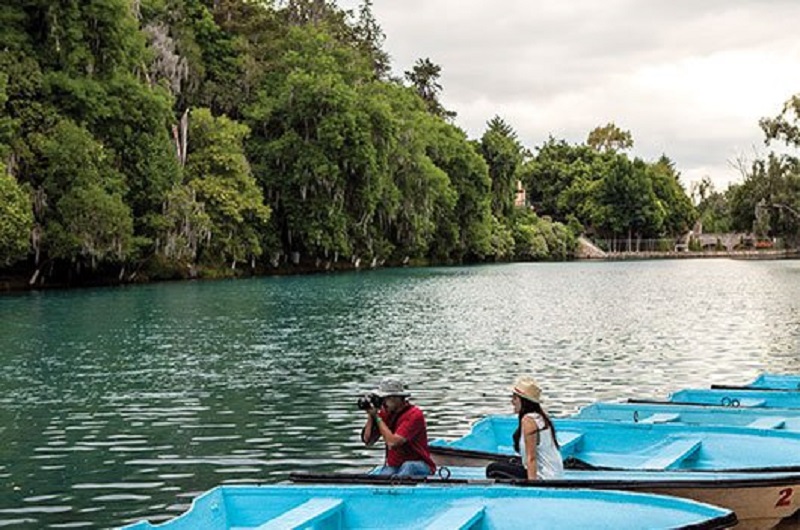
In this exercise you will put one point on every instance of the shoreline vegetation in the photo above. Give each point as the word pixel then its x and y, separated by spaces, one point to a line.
pixel 150 140
pixel 10 283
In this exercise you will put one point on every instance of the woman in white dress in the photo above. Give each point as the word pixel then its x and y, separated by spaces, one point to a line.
pixel 534 439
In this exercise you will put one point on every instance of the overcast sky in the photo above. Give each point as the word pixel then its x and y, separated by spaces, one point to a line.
pixel 688 78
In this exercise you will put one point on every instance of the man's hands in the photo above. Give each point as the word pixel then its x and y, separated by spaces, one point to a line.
pixel 371 431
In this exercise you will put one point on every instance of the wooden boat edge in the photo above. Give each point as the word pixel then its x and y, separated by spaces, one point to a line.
pixel 698 481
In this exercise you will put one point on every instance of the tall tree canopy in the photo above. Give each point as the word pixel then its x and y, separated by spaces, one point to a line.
pixel 504 155
pixel 424 78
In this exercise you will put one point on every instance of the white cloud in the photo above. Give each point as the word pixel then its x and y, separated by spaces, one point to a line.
pixel 688 79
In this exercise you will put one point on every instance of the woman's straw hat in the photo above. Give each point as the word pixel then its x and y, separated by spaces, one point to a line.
pixel 525 387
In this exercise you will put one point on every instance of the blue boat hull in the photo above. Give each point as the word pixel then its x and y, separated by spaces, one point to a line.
pixel 637 446
pixel 760 500
pixel 437 507
pixel 787 420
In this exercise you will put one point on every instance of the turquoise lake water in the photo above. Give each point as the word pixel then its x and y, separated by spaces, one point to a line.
pixel 123 403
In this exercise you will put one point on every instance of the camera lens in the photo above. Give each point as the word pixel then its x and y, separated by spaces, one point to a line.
pixel 370 401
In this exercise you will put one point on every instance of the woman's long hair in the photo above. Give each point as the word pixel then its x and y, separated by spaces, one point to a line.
pixel 527 407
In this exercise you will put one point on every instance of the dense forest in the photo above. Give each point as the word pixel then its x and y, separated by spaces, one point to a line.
pixel 155 139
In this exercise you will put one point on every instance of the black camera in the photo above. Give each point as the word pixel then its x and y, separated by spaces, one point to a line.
pixel 370 401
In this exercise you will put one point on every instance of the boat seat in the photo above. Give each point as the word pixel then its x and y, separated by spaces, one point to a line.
pixel 661 417
pixel 304 516
pixel 458 517
pixel 569 442
pixel 768 422
pixel 671 454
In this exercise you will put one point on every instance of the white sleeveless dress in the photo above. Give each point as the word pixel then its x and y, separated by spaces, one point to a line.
pixel 549 464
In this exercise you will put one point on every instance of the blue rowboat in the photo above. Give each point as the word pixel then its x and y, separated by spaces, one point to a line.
pixel 635 446
pixel 437 508
pixel 754 418
pixel 760 500
pixel 733 398
pixel 769 382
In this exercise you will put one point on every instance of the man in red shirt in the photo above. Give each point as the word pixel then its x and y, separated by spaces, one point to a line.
pixel 402 427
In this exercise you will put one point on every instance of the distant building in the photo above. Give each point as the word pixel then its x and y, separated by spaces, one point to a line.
pixel 521 200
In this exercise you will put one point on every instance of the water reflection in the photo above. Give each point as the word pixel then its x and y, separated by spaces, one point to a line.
pixel 116 404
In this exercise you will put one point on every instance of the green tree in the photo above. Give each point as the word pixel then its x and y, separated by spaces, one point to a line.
pixel 418 192
pixel 626 204
pixel 320 146
pixel 8 126
pixel 424 78
pixel 609 138
pixel 469 176
pixel 768 189
pixel 371 38
pixel 538 239
pixel 559 176
pixel 135 125
pixel 16 219
pixel 777 180
pixel 503 154
pixel 91 224
pixel 186 227
pixel 218 172
pixel 680 214
pixel 201 61
pixel 784 127
pixel 82 210
pixel 713 208
pixel 607 193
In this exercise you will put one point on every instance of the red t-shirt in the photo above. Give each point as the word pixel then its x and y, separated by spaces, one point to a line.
pixel 410 424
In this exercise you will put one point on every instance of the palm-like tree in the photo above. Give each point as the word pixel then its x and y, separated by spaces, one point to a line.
pixel 424 77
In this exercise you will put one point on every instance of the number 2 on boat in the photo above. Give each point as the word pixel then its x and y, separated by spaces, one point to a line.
pixel 784 497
